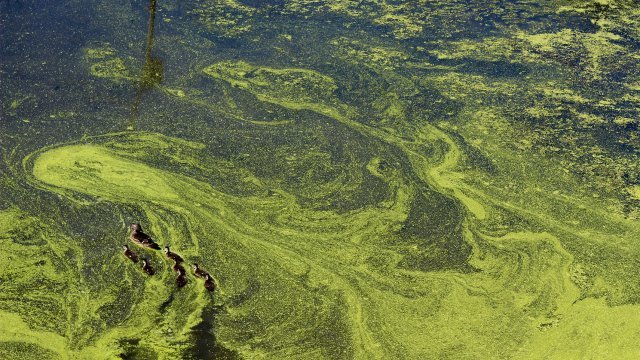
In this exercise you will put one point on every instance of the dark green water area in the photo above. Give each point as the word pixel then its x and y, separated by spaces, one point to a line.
pixel 377 179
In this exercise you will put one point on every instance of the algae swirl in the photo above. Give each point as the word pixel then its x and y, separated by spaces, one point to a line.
pixel 364 180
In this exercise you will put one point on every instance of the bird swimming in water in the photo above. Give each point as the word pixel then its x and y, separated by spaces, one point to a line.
pixel 173 256
pixel 209 284
pixel 181 280
pixel 179 269
pixel 147 267
pixel 140 238
pixel 129 254
pixel 137 235
pixel 199 272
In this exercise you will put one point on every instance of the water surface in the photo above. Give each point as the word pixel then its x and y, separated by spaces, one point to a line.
pixel 363 179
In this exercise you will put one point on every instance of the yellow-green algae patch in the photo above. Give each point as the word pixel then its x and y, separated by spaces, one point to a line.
pixel 91 164
pixel 113 69
pixel 494 201
pixel 278 249
pixel 99 171
pixel 45 306
pixel 303 89
pixel 227 18
pixel 500 149
pixel 104 62
pixel 99 52
pixel 293 88
pixel 543 243
pixel 291 274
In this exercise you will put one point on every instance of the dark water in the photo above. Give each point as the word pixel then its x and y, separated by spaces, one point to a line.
pixel 396 180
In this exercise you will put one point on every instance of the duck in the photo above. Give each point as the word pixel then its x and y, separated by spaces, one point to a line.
pixel 179 269
pixel 173 256
pixel 181 280
pixel 140 238
pixel 209 284
pixel 137 235
pixel 199 272
pixel 147 267
pixel 129 254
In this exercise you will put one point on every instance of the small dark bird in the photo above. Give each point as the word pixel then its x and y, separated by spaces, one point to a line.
pixel 129 254
pixel 147 267
pixel 137 235
pixel 181 280
pixel 209 284
pixel 140 238
pixel 179 269
pixel 173 256
pixel 199 272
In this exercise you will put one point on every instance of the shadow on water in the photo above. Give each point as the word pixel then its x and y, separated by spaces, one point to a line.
pixel 205 345
pixel 132 350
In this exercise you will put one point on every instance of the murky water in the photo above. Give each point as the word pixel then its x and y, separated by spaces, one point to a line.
pixel 362 179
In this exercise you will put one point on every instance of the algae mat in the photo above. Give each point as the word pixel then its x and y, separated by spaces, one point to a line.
pixel 364 180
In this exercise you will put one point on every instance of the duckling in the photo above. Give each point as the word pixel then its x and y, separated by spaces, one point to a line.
pixel 139 237
pixel 173 256
pixel 129 254
pixel 181 280
pixel 209 284
pixel 199 272
pixel 179 269
pixel 147 267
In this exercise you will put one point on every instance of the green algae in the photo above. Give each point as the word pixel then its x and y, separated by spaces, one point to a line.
pixel 501 226
pixel 108 170
pixel 99 52
pixel 524 275
pixel 104 62
pixel 112 69
pixel 55 310
pixel 227 18
pixel 84 164
pixel 103 166
pixel 292 88
pixel 548 304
